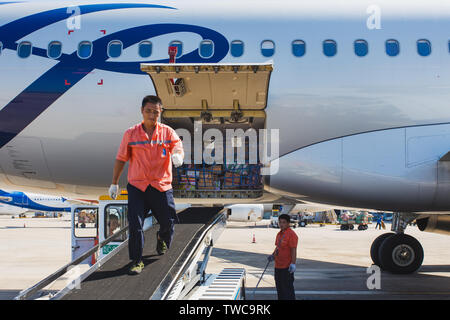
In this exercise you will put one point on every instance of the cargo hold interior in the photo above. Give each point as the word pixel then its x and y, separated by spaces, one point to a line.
pixel 200 97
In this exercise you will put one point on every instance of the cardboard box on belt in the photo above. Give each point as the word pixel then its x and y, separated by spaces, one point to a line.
pixel 232 180
pixel 208 181
pixel 187 180
pixel 185 183
pixel 252 181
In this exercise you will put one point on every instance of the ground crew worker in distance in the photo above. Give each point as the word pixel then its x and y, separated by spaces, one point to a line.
pixel 285 256
pixel 151 147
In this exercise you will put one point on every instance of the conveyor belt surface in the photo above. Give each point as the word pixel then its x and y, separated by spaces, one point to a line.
pixel 112 281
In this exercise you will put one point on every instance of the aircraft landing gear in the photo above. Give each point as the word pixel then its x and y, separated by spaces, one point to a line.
pixel 376 246
pixel 397 252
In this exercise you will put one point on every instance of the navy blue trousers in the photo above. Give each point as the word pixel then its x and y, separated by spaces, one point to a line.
pixel 284 281
pixel 162 206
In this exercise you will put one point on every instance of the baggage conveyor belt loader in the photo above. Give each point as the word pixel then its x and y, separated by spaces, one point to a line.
pixel 178 274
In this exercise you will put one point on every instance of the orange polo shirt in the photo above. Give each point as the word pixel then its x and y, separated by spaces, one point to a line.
pixel 150 159
pixel 288 240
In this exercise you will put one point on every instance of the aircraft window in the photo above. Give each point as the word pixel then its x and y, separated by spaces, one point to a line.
pixel 392 47
pixel 179 45
pixel 361 48
pixel 423 47
pixel 267 48
pixel 84 49
pixel 298 48
pixel 237 48
pixel 24 49
pixel 115 49
pixel 145 49
pixel 1 47
pixel 54 49
pixel 329 48
pixel 115 219
pixel 206 49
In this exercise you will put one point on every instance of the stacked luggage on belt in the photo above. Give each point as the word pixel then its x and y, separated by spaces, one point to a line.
pixel 242 176
pixel 216 177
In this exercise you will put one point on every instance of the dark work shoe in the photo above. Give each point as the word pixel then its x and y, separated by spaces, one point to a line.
pixel 161 246
pixel 136 267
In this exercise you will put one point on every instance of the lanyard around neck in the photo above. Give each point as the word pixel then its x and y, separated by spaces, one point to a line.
pixel 281 240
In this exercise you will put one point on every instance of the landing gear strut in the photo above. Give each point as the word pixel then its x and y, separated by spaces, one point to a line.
pixel 397 252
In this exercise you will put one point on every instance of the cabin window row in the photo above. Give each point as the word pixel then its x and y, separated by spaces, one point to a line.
pixel 360 47
pixel 114 49
pixel 206 48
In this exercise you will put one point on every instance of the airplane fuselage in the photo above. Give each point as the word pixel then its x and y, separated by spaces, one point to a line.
pixel 355 130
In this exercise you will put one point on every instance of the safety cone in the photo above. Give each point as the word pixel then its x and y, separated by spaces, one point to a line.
pixel 254 239
pixel 24 225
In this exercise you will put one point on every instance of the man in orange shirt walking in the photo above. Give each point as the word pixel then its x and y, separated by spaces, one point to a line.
pixel 285 256
pixel 152 148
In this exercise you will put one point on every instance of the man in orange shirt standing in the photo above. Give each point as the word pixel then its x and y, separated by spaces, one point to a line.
pixel 285 256
pixel 152 148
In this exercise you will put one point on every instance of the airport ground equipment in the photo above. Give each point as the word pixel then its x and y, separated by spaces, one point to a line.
pixel 173 275
pixel 305 218
pixel 276 212
pixel 274 222
pixel 318 217
pixel 348 220
pixel 294 221
pixel 229 284
pixel 302 222
pixel 274 217
pixel 95 223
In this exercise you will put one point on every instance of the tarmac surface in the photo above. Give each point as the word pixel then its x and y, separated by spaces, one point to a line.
pixel 332 264
pixel 30 250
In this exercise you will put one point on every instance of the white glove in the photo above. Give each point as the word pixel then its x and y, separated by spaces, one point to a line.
pixel 177 159
pixel 292 268
pixel 113 191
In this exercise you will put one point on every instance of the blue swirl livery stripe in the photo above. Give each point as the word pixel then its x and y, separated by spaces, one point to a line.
pixel 30 103
pixel 17 29
pixel 39 95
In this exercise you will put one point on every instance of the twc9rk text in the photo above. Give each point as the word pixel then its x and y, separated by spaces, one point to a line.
pixel 246 309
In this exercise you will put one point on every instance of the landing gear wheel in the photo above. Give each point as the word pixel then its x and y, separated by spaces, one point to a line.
pixel 401 254
pixel 376 246
pixel 351 227
pixel 302 224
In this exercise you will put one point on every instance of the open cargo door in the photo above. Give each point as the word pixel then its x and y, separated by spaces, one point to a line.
pixel 219 97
